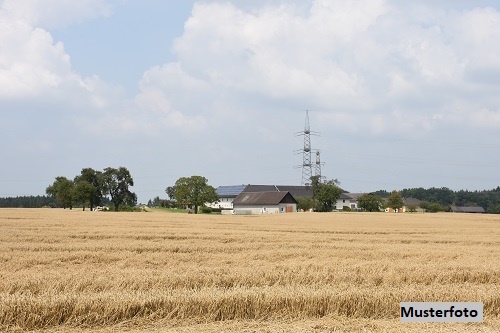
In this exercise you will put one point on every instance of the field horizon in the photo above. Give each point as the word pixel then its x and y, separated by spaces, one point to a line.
pixel 74 271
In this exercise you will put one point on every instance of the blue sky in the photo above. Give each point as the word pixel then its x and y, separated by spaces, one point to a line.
pixel 404 94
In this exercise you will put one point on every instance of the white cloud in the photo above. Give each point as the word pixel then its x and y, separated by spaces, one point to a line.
pixel 54 13
pixel 364 61
pixel 367 63
pixel 32 64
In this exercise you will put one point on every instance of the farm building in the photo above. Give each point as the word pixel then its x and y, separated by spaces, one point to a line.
pixel 226 196
pixel 264 203
pixel 407 205
pixel 228 193
pixel 295 191
pixel 468 209
pixel 349 200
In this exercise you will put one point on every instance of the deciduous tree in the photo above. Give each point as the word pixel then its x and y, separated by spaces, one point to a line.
pixel 62 191
pixel 83 192
pixel 116 183
pixel 395 201
pixel 305 203
pixel 326 196
pixel 194 191
pixel 370 202
pixel 89 187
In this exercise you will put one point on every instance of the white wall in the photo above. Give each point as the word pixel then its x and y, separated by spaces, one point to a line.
pixel 225 203
pixel 346 202
pixel 283 208
pixel 257 210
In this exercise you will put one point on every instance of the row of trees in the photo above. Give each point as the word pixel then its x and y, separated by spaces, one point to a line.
pixel 91 188
pixel 442 198
pixel 30 201
pixel 373 203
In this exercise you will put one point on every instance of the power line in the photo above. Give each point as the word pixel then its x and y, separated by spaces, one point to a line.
pixel 306 151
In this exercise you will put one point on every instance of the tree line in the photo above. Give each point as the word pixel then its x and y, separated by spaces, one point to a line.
pixel 442 198
pixel 30 201
pixel 91 188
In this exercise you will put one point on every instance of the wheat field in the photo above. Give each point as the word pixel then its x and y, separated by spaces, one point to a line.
pixel 74 271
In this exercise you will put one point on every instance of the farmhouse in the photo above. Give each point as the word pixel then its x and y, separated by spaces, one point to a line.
pixel 228 193
pixel 264 203
pixel 467 209
pixel 408 205
pixel 295 191
pixel 349 200
pixel 226 196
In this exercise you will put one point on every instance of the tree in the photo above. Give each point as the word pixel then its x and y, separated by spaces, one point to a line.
pixel 62 191
pixel 370 202
pixel 194 191
pixel 395 201
pixel 90 191
pixel 316 183
pixel 494 209
pixel 170 192
pixel 326 196
pixel 434 207
pixel 116 183
pixel 83 192
pixel 304 203
pixel 411 208
pixel 424 205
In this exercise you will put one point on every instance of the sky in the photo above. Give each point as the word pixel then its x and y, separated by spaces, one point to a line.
pixel 404 94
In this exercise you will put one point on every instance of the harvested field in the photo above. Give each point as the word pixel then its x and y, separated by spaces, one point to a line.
pixel 77 271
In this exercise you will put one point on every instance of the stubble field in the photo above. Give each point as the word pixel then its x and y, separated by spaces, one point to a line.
pixel 73 271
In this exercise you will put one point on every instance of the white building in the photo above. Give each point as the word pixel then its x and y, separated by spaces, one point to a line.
pixel 264 203
pixel 349 200
pixel 226 196
pixel 228 193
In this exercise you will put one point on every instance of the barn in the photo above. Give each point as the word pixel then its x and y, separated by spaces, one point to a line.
pixel 468 209
pixel 264 203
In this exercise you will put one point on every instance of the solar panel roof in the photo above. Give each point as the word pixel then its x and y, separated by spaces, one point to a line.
pixel 230 191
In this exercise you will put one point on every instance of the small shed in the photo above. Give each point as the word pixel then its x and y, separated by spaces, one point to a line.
pixel 264 203
pixel 468 209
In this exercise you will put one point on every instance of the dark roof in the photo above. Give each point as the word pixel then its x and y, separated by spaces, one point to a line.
pixel 411 201
pixel 263 198
pixel 468 209
pixel 261 188
pixel 230 191
pixel 353 196
pixel 295 191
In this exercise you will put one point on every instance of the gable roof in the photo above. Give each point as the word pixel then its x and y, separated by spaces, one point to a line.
pixel 230 191
pixel 263 198
pixel 261 188
pixel 295 191
pixel 353 196
pixel 467 209
pixel 411 201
